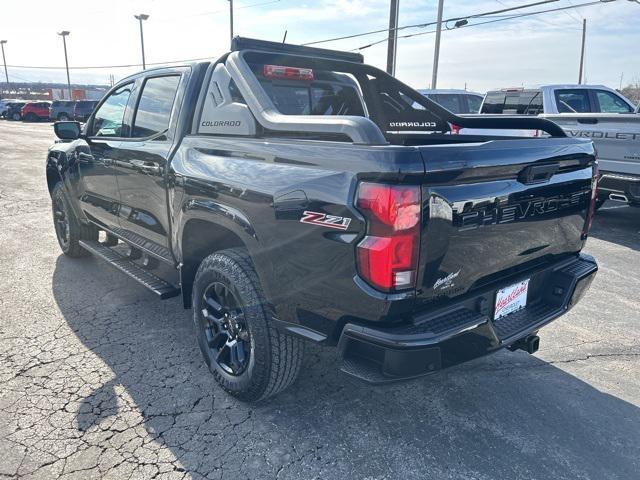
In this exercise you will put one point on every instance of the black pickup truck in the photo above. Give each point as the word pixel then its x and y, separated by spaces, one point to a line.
pixel 294 194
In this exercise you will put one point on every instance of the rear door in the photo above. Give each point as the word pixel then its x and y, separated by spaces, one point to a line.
pixel 574 100
pixel 141 169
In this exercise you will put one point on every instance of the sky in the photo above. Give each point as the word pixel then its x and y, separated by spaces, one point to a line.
pixel 526 51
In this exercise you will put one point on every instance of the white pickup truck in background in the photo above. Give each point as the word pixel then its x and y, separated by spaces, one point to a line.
pixel 583 111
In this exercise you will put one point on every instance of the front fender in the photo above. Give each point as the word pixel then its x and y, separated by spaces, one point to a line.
pixel 62 166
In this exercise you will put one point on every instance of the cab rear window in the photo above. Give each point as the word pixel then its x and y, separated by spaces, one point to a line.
pixel 526 102
pixel 320 92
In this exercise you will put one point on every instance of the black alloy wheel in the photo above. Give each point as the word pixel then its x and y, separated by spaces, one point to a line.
pixel 248 357
pixel 227 336
pixel 69 230
pixel 61 221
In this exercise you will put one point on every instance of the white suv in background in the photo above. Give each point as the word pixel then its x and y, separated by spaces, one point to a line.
pixel 456 101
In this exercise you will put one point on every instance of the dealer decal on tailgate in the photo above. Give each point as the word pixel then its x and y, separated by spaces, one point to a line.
pixel 511 299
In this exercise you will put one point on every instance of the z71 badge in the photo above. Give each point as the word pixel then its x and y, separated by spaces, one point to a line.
pixel 325 220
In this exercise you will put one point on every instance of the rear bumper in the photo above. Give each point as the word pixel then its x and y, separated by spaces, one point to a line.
pixel 620 186
pixel 462 331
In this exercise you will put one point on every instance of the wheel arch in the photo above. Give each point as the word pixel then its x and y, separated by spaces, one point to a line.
pixel 53 177
pixel 200 237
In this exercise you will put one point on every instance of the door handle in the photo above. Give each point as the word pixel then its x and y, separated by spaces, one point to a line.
pixel 588 120
pixel 147 167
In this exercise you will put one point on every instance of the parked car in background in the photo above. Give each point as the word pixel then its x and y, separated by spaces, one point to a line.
pixel 61 110
pixel 83 109
pixel 4 106
pixel 14 110
pixel 35 111
pixel 456 101
pixel 583 111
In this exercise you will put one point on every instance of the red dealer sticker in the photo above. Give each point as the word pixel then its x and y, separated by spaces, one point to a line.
pixel 511 299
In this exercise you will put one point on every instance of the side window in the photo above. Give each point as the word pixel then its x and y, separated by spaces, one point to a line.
pixel 573 101
pixel 474 102
pixel 108 120
pixel 154 108
pixel 611 103
pixel 451 102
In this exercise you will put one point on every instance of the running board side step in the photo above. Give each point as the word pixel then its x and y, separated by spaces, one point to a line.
pixel 154 283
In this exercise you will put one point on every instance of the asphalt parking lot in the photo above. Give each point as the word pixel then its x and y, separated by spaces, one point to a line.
pixel 98 379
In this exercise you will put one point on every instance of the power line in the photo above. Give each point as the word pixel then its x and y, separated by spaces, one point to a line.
pixel 570 15
pixel 422 25
pixel 160 20
pixel 95 67
pixel 484 23
pixel 428 24
pixel 225 10
pixel 544 21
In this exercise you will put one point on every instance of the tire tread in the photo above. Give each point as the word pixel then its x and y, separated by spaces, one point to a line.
pixel 286 352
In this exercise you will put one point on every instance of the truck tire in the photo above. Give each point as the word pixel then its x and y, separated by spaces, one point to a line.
pixel 63 117
pixel 30 117
pixel 248 357
pixel 69 230
pixel 16 116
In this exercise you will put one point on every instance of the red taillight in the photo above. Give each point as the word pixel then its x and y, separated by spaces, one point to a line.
pixel 288 73
pixel 388 255
pixel 594 198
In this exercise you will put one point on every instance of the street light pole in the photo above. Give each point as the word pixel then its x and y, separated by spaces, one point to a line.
pixel 436 53
pixel 4 60
pixel 231 20
pixel 584 34
pixel 392 43
pixel 64 34
pixel 140 18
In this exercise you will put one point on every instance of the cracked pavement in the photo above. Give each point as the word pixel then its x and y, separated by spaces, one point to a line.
pixel 99 379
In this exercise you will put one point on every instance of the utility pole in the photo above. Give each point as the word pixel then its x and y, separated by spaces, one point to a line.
pixel 64 34
pixel 231 20
pixel 584 36
pixel 436 53
pixel 392 43
pixel 140 18
pixel 4 60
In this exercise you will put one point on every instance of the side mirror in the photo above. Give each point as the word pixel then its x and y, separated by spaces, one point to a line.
pixel 67 130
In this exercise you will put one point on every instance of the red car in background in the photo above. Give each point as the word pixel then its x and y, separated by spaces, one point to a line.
pixel 35 111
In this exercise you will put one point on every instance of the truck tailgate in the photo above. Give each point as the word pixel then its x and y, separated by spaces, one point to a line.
pixel 492 210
